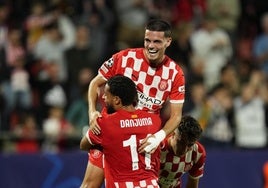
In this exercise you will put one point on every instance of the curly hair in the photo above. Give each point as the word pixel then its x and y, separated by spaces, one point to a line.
pixel 189 129
pixel 124 88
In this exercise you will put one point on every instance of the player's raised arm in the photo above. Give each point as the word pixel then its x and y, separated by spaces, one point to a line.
pixel 93 92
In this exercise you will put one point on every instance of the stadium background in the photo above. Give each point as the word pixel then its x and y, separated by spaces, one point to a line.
pixel 226 167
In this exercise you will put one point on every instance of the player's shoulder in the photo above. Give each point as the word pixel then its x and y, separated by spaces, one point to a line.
pixel 128 50
pixel 200 148
pixel 172 63
pixel 107 117
pixel 148 114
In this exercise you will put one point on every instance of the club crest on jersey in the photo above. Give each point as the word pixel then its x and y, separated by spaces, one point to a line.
pixel 110 62
pixel 182 89
pixel 163 85
pixel 96 154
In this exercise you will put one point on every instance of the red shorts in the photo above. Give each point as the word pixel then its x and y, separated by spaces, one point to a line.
pixel 95 157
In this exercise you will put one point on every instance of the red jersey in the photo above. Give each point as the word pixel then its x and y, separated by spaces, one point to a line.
pixel 154 85
pixel 173 167
pixel 121 133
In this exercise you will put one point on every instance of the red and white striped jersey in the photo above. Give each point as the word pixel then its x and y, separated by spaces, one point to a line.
pixel 154 85
pixel 173 167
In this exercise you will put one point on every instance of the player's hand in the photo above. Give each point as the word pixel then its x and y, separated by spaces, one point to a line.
pixel 148 145
pixel 94 127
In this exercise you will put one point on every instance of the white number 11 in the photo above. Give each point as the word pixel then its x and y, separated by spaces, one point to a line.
pixel 132 143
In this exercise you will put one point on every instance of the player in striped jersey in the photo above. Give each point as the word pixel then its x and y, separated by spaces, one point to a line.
pixel 182 153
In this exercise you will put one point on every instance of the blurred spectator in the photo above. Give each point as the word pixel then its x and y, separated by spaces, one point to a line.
pixel 77 112
pixel 28 135
pixel 66 26
pixel 14 47
pixel 244 49
pixel 3 123
pixel 189 11
pixel 250 114
pixel 52 92
pixel 218 131
pixel 16 87
pixel 181 49
pixel 35 23
pixel 211 51
pixel 229 77
pixel 161 9
pixel 226 13
pixel 20 86
pixel 132 15
pixel 248 25
pixel 56 129
pixel 4 15
pixel 199 107
pixel 260 48
pixel 79 57
pixel 50 48
pixel 100 19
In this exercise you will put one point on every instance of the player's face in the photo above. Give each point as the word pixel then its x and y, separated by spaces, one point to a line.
pixel 181 145
pixel 155 44
pixel 108 100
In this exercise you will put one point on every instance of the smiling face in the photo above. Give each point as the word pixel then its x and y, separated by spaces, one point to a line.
pixel 155 44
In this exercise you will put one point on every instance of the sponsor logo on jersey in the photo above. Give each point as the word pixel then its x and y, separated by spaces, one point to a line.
pixel 146 99
pixel 163 85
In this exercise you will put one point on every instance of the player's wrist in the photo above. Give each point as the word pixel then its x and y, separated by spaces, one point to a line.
pixel 155 140
pixel 160 135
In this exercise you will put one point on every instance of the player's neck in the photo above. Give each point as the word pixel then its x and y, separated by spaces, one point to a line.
pixel 129 108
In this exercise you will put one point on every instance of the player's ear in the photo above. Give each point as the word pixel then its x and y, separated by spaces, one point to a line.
pixel 116 100
pixel 168 41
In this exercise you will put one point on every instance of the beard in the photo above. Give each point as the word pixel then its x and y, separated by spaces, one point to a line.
pixel 110 109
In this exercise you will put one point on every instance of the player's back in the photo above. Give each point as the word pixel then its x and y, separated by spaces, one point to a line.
pixel 121 134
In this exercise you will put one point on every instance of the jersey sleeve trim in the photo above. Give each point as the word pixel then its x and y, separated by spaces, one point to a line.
pixel 196 177
pixel 88 138
pixel 177 101
pixel 102 76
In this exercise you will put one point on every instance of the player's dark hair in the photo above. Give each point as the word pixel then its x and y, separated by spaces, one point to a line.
pixel 124 88
pixel 159 25
pixel 189 129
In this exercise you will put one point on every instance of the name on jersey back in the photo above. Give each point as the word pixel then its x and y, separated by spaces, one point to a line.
pixel 138 122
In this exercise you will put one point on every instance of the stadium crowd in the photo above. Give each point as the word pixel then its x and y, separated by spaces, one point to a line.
pixel 50 51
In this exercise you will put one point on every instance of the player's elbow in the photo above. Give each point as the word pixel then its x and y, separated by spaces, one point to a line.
pixel 84 144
